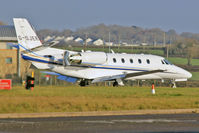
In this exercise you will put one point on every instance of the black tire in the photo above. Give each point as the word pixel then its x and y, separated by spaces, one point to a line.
pixel 84 83
pixel 115 84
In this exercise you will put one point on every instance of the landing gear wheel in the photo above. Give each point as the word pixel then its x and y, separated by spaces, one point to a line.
pixel 83 83
pixel 115 84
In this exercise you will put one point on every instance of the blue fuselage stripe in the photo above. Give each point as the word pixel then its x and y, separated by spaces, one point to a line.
pixel 34 59
pixel 118 68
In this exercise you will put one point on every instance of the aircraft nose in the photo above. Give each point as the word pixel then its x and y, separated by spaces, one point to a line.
pixel 184 73
pixel 188 74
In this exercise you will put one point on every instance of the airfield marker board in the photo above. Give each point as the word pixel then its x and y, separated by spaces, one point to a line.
pixel 5 84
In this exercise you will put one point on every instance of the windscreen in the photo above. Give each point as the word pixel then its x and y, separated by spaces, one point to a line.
pixel 167 62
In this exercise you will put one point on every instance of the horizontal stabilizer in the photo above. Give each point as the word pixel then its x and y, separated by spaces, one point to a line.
pixel 45 46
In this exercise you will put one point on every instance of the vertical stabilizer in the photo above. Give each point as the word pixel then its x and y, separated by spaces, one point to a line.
pixel 26 35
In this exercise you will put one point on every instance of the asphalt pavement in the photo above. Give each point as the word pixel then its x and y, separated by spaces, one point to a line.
pixel 160 123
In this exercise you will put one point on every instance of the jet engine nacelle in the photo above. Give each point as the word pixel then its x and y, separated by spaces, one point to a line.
pixel 86 58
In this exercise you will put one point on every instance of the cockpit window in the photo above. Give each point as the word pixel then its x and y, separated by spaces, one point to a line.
pixel 166 62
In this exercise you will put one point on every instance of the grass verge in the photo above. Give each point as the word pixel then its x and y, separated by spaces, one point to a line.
pixel 92 98
pixel 183 61
pixel 195 76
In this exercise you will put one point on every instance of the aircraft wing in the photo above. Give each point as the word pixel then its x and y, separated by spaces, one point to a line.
pixel 142 73
pixel 124 76
pixel 107 78
pixel 61 77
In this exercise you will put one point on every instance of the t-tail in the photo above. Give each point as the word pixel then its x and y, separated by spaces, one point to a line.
pixel 26 35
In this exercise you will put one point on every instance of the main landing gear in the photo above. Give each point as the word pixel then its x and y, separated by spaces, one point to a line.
pixel 115 83
pixel 118 82
pixel 83 82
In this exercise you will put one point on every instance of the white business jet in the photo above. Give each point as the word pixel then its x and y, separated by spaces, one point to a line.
pixel 92 67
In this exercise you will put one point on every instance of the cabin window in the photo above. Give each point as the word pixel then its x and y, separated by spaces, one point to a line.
pixel 148 61
pixel 162 62
pixel 139 61
pixel 131 60
pixel 122 60
pixel 114 60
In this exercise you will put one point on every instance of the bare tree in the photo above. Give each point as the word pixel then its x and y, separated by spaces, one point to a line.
pixel 191 49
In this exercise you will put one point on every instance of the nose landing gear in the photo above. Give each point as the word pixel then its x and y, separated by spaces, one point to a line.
pixel 173 84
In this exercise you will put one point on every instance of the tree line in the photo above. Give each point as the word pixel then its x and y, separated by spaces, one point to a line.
pixel 183 45
pixel 119 34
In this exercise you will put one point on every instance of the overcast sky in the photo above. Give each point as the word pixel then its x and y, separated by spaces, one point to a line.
pixel 181 15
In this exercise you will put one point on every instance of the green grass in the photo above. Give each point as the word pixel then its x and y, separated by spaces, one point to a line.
pixel 92 98
pixel 195 76
pixel 183 61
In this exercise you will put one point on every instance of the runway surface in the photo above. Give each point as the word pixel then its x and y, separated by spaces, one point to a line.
pixel 168 123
